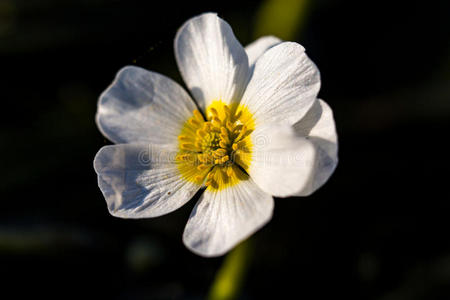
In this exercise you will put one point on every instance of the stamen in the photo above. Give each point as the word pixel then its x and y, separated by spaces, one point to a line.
pixel 187 146
pixel 202 132
pixel 225 139
pixel 198 115
pixel 207 145
pixel 221 152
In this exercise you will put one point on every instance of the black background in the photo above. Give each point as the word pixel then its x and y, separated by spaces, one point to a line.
pixel 377 230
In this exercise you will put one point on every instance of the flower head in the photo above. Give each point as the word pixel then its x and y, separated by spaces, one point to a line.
pixel 256 130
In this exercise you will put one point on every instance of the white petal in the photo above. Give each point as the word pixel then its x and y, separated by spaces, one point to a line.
pixel 222 219
pixel 282 162
pixel 318 126
pixel 141 181
pixel 143 106
pixel 284 85
pixel 212 62
pixel 258 47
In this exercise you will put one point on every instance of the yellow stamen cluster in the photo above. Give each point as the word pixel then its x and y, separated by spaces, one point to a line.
pixel 217 147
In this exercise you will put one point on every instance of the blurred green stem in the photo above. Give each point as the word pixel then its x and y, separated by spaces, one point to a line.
pixel 229 279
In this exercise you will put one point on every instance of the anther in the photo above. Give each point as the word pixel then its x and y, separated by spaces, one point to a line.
pixel 238 128
pixel 200 132
pixel 230 126
pixel 185 157
pixel 183 138
pixel 223 130
pixel 238 115
pixel 220 152
pixel 202 167
pixel 194 122
pixel 214 111
pixel 244 134
pixel 227 110
pixel 225 140
pixel 241 144
pixel 222 144
pixel 205 158
pixel 187 146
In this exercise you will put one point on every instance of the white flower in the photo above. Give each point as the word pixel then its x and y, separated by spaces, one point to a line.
pixel 259 130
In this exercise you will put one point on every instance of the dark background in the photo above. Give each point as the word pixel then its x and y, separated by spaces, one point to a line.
pixel 377 230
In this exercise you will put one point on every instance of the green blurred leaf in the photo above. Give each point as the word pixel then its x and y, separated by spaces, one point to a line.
pixel 282 18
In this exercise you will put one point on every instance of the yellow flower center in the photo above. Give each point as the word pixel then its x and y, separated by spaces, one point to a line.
pixel 216 149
